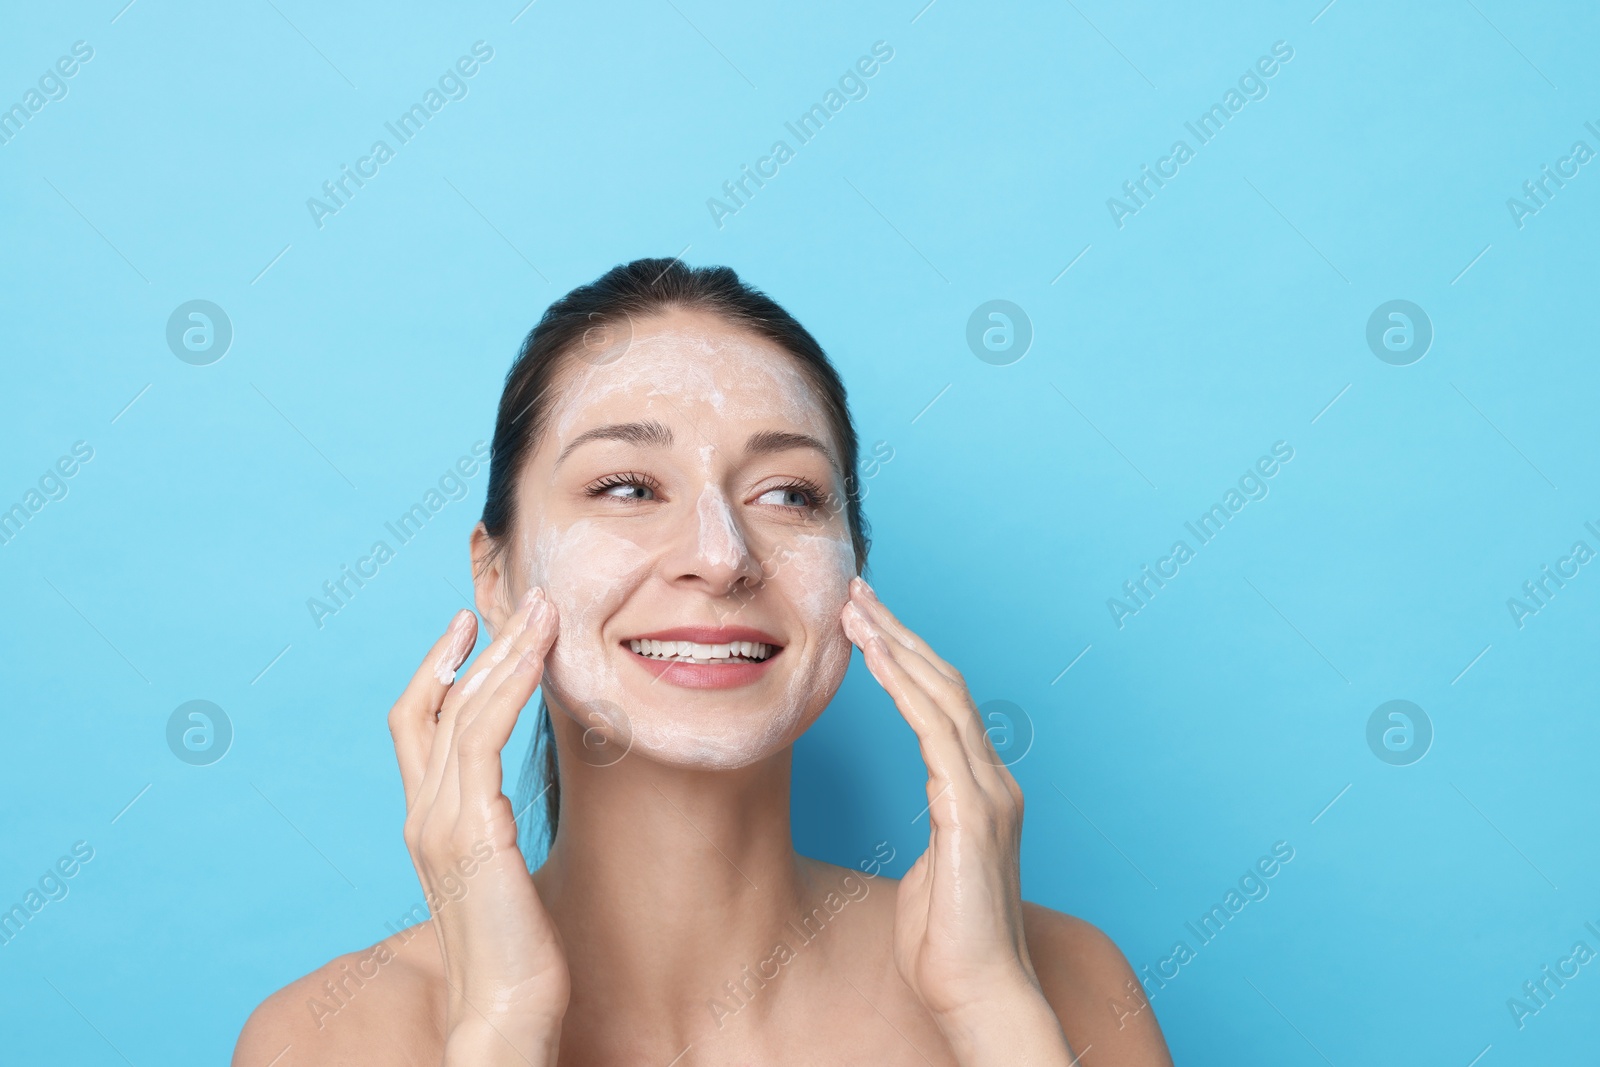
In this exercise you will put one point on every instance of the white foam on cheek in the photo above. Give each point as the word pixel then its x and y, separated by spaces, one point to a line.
pixel 587 572
pixel 816 577
pixel 822 567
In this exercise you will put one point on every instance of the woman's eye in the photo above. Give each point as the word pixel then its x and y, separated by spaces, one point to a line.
pixel 630 491
pixel 785 498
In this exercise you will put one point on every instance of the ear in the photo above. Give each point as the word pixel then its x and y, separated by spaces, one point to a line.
pixel 490 580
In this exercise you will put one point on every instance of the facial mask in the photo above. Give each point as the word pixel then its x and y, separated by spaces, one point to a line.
pixel 593 572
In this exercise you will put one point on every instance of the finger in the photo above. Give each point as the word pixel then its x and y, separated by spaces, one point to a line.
pixel 943 679
pixel 526 652
pixel 946 684
pixel 986 753
pixel 476 675
pixel 937 734
pixel 412 719
pixel 914 654
pixel 950 695
pixel 467 745
pixel 864 597
pixel 484 737
pixel 462 693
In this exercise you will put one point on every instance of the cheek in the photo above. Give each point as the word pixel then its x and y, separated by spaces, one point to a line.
pixel 819 570
pixel 586 572
pixel 818 584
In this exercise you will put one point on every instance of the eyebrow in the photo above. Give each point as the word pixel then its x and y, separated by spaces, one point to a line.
pixel 652 434
pixel 769 441
pixel 656 435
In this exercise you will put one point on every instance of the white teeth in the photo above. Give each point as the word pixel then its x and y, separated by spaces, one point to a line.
pixel 693 652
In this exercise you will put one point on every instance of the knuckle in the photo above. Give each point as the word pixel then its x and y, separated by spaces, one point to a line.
pixel 461 839
pixel 474 745
pixel 984 821
pixel 434 839
pixel 976 739
pixel 1007 817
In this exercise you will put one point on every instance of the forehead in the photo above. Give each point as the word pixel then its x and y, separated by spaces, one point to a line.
pixel 687 367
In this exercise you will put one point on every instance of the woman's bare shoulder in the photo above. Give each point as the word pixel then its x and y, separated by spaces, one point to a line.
pixel 1085 977
pixel 381 1005
pixel 1092 989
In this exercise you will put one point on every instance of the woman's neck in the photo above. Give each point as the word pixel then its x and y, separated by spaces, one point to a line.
pixel 666 882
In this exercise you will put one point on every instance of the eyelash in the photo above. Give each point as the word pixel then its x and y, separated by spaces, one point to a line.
pixel 812 492
pixel 809 489
pixel 611 481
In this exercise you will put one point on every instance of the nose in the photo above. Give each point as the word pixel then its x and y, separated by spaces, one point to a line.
pixel 716 551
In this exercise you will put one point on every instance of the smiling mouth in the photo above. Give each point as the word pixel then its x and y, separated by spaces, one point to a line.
pixel 726 653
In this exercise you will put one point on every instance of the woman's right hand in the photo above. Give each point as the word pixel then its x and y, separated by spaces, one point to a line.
pixel 503 962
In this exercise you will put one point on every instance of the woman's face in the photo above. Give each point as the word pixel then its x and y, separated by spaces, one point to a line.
pixel 682 512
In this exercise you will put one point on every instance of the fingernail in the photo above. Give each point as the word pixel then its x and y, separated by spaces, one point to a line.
pixel 533 593
pixel 459 622
pixel 865 588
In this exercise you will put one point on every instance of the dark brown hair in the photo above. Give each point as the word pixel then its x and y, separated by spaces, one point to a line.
pixel 595 323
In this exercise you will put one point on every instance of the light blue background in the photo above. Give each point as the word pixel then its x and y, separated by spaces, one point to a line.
pixel 1223 317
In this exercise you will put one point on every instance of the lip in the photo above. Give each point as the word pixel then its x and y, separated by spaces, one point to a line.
pixel 705 675
pixel 708 635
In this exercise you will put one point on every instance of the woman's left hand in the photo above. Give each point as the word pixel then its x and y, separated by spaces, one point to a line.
pixel 958 938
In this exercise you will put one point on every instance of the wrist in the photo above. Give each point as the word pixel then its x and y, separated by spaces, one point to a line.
pixel 478 1042
pixel 1014 1027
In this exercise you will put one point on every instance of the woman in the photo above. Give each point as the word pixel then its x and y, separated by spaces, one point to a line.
pixel 670 551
